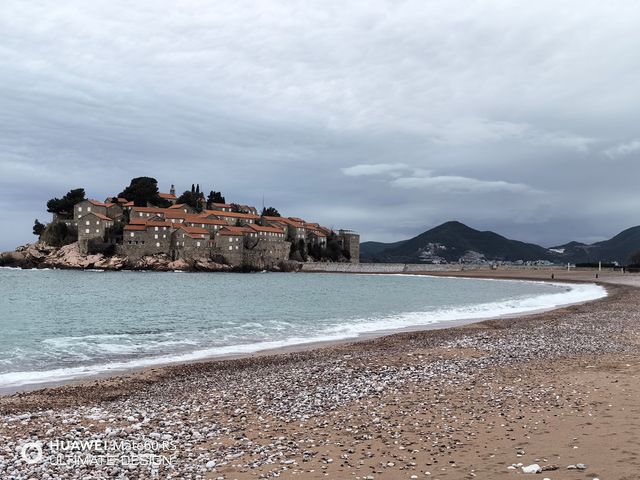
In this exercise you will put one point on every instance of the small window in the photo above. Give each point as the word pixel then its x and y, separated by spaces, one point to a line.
pixel 197 244
pixel 88 209
pixel 79 209
pixel 133 234
pixel 156 229
pixel 97 230
pixel 230 247
pixel 97 222
pixel 86 231
pixel 157 244
pixel 155 236
pixel 236 247
pixel 87 222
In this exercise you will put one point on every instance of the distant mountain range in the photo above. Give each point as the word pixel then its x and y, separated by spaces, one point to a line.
pixel 454 242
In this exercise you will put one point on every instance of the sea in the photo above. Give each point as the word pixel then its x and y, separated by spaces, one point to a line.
pixel 62 325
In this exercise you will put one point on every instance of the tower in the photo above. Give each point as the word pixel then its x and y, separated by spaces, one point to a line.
pixel 173 190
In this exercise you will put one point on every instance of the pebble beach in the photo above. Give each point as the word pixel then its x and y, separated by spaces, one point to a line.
pixel 552 393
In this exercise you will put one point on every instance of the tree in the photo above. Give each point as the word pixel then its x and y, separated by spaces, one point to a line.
pixel 635 258
pixel 143 190
pixel 270 212
pixel 57 234
pixel 38 228
pixel 64 205
pixel 214 197
pixel 192 199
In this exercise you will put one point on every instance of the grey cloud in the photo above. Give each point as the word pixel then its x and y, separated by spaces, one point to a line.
pixel 525 116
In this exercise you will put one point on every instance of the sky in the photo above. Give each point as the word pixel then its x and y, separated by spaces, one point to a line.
pixel 385 117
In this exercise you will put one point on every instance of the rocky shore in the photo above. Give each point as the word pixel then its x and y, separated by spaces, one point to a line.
pixel 38 255
pixel 554 393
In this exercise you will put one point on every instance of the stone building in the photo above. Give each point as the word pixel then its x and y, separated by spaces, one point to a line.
pixel 350 242
pixel 92 226
pixel 88 206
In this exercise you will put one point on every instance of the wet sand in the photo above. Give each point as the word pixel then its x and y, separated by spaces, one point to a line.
pixel 558 388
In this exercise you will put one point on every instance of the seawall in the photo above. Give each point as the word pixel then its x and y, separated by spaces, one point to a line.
pixel 417 267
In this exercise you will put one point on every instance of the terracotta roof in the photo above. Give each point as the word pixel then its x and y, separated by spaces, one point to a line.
pixel 193 230
pixel 177 205
pixel 260 228
pixel 296 219
pixel 205 220
pixel 219 213
pixel 175 214
pixel 138 221
pixel 135 227
pixel 101 216
pixel 167 196
pixel 234 231
pixel 150 209
pixel 158 223
pixel 129 204
pixel 222 205
pixel 96 202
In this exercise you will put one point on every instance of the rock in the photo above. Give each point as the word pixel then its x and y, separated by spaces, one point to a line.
pixel 581 466
pixel 533 468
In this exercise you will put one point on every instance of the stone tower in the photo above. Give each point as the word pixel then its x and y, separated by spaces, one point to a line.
pixel 350 241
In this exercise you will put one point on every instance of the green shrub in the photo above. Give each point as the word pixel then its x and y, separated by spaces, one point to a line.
pixel 58 234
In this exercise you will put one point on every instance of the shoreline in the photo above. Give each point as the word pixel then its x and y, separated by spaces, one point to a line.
pixel 455 323
pixel 462 402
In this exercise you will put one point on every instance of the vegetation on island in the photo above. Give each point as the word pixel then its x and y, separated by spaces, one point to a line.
pixel 64 206
pixel 270 212
pixel 193 198
pixel 143 191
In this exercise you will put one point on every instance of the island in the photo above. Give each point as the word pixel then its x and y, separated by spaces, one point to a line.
pixel 142 228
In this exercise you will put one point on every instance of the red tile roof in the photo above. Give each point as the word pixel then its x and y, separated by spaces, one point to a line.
pixel 260 228
pixel 219 213
pixel 177 205
pixel 135 227
pixel 167 196
pixel 234 231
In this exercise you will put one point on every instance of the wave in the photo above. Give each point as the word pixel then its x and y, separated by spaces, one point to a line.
pixel 569 294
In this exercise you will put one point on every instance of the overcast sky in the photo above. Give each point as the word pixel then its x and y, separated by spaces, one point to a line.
pixel 387 117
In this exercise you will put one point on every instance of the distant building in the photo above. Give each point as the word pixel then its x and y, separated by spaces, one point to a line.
pixel 230 233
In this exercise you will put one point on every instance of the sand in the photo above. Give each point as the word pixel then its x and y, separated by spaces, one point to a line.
pixel 556 389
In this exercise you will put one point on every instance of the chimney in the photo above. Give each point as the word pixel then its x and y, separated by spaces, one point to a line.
pixel 173 190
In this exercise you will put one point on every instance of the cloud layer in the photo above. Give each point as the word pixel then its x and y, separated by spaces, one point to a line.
pixel 380 116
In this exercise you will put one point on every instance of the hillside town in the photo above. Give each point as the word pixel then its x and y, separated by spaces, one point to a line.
pixel 233 234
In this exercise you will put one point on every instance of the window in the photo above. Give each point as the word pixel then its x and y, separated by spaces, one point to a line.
pixel 156 229
pixel 133 234
pixel 230 239
pixel 236 247
pixel 88 209
pixel 155 236
pixel 86 231
pixel 157 244
pixel 97 222
pixel 97 230
pixel 164 236
pixel 79 209
pixel 197 244
pixel 87 222
pixel 230 247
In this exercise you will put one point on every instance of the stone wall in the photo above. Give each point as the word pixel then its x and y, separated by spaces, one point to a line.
pixel 416 267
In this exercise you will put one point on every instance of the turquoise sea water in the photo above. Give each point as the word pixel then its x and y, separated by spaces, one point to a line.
pixel 57 325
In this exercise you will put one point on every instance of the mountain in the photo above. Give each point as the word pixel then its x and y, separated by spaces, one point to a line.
pixel 454 242
pixel 451 242
pixel 617 249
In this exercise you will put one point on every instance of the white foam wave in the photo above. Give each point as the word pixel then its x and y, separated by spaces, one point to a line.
pixel 568 294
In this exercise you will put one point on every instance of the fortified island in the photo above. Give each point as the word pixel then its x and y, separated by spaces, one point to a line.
pixel 142 228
